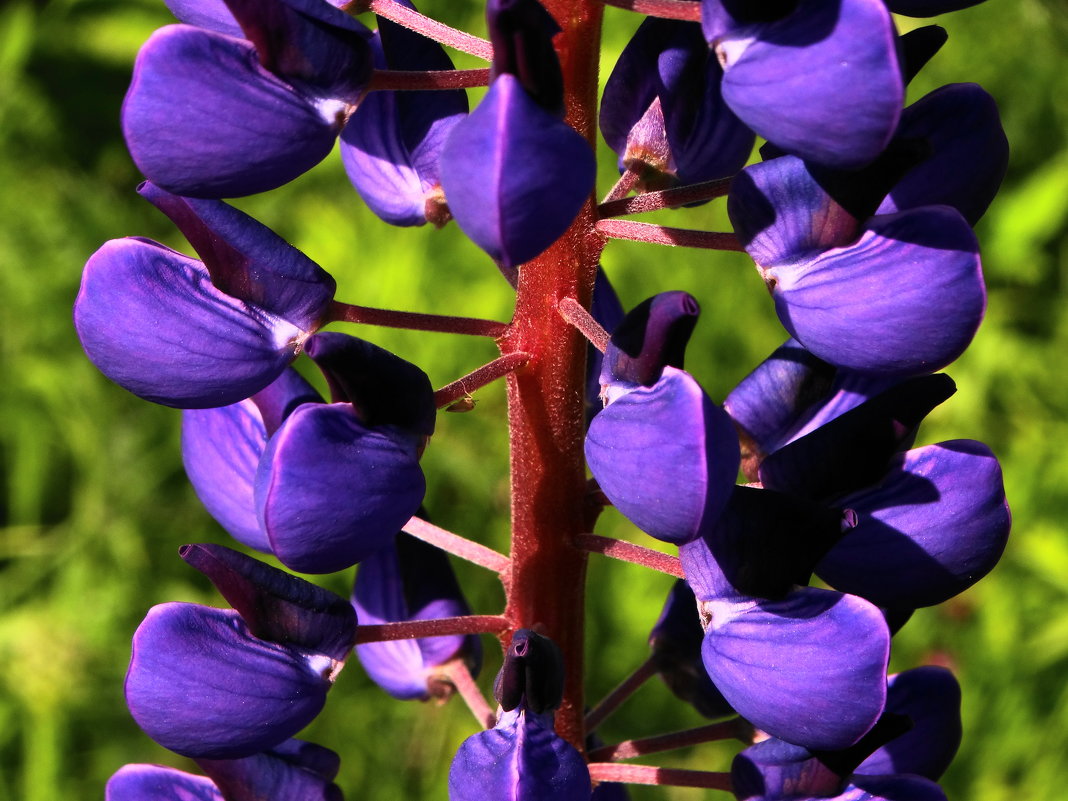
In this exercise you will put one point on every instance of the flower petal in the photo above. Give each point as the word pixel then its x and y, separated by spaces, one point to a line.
pixel 150 319
pixel 157 783
pixel 291 772
pixel 906 298
pixel 666 456
pixel 810 669
pixel 823 82
pixel 200 684
pixel 331 491
pixel 522 758
pixel 515 176
pixel 933 527
pixel 203 118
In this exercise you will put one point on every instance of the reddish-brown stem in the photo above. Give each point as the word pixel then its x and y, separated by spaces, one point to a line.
pixel 663 235
pixel 415 321
pixel 664 198
pixel 414 80
pixel 439 627
pixel 576 314
pixel 459 676
pixel 457 545
pixel 545 586
pixel 648 774
pixel 498 368
pixel 623 186
pixel 432 29
pixel 629 552
pixel 624 690
pixel 629 749
pixel 686 10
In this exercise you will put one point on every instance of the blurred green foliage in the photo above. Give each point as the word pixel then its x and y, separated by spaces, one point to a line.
pixel 94 503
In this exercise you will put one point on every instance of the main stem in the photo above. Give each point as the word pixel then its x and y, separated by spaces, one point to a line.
pixel 546 582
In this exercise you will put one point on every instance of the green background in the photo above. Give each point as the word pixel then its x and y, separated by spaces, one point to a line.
pixel 94 502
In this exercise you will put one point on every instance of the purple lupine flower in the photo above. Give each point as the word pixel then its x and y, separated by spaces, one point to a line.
pixel 194 334
pixel 808 668
pixel 933 526
pixel 899 294
pixel 392 142
pixel 337 481
pixel 819 79
pixel 515 174
pixel 928 8
pixel 662 110
pixel 675 642
pixel 606 309
pixel 293 770
pixel 778 771
pixel 222 448
pixel 522 758
pixel 412 581
pixel 898 761
pixel 221 683
pixel 661 450
pixel 210 115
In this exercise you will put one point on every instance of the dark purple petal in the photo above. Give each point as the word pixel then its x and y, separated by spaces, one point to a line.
pixel 810 669
pixel 608 311
pixel 410 581
pixel 330 491
pixel 781 213
pixel 919 46
pixel 930 697
pixel 532 674
pixel 774 769
pixel 933 527
pixel 969 152
pixel 522 758
pixel 291 771
pixel 247 260
pixel 666 456
pixel 765 542
pixel 769 402
pixel 521 32
pixel 906 298
pixel 854 449
pixel 200 684
pixel 651 337
pixel 203 118
pixel 157 783
pixel 384 389
pixel 392 143
pixel 150 319
pixel 675 642
pixel 662 106
pixel 310 43
pixel 275 605
pixel 515 176
pixel 822 82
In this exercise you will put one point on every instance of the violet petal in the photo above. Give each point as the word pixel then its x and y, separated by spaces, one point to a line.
pixel 290 771
pixel 810 669
pixel 201 685
pixel 203 118
pixel 522 758
pixel 837 90
pixel 666 456
pixel 936 524
pixel 275 605
pixel 930 697
pixel 150 319
pixel 410 581
pixel 514 175
pixel 906 298
pixel 157 783
pixel 330 491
